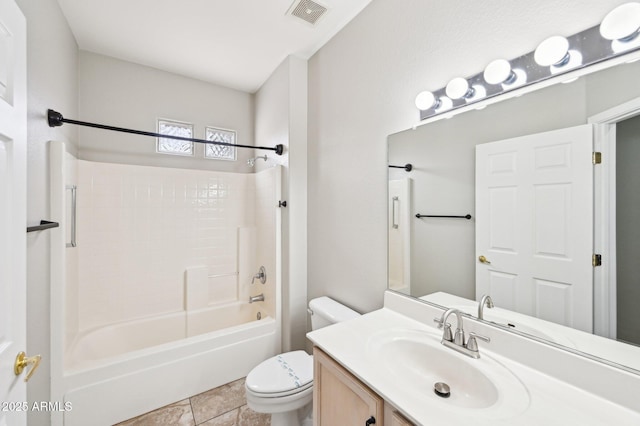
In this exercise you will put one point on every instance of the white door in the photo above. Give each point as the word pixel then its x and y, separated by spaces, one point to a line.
pixel 534 225
pixel 13 140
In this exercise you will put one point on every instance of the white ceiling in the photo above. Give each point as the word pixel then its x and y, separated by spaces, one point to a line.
pixel 234 43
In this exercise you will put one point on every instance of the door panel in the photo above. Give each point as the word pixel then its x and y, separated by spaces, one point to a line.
pixel 553 301
pixel 503 218
pixel 551 216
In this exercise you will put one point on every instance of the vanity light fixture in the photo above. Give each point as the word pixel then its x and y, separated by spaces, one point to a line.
pixel 622 27
pixel 617 35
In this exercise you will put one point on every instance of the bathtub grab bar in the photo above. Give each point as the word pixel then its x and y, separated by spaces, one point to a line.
pixel 74 205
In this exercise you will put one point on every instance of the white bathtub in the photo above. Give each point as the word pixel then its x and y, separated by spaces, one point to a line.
pixel 120 371
pixel 99 345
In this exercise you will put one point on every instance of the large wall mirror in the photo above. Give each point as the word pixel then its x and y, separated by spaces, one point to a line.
pixel 466 165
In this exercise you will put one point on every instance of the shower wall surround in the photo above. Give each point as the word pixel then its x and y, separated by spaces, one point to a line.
pixel 140 228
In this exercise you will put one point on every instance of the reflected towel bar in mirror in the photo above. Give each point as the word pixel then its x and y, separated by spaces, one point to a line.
pixel 468 216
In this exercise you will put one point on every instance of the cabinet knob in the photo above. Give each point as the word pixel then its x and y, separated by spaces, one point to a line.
pixel 371 421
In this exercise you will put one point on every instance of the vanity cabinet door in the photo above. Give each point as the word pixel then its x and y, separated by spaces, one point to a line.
pixel 341 399
pixel 398 419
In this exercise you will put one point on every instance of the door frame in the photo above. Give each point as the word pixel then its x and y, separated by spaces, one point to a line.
pixel 604 205
pixel 13 190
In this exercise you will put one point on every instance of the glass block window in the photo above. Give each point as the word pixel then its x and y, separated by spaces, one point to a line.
pixel 174 146
pixel 220 152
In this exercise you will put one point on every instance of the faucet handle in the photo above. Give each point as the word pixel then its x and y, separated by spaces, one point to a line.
pixel 447 335
pixel 472 344
pixel 261 275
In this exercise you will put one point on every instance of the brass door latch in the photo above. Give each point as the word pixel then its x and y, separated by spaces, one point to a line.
pixel 22 360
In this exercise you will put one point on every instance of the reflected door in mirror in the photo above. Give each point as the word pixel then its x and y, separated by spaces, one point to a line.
pixel 534 225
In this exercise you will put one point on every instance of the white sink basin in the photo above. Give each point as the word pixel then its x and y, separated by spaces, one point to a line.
pixel 418 360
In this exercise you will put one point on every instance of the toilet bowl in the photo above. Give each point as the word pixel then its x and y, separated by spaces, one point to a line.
pixel 283 385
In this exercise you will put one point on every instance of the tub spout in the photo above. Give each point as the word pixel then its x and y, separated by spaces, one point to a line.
pixel 258 298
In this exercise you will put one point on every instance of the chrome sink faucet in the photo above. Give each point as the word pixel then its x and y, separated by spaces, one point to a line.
pixel 457 341
pixel 458 338
pixel 485 301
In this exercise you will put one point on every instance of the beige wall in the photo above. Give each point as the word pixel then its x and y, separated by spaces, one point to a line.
pixel 362 86
pixel 124 94
pixel 281 118
pixel 52 58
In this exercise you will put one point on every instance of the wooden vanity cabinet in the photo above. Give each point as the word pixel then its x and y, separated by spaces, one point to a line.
pixel 339 398
pixel 393 418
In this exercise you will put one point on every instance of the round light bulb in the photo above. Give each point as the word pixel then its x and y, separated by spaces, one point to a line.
pixel 444 104
pixel 498 71
pixel 622 23
pixel 458 88
pixel 425 100
pixel 552 51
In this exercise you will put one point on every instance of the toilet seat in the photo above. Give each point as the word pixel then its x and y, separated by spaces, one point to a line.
pixel 282 375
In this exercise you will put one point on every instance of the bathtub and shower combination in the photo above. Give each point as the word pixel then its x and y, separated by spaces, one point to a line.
pixel 151 279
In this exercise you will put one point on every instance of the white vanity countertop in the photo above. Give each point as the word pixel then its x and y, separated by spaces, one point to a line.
pixel 551 401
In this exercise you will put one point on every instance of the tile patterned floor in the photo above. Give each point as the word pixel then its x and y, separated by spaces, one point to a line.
pixel 222 406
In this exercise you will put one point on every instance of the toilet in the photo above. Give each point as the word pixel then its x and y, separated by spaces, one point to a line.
pixel 283 384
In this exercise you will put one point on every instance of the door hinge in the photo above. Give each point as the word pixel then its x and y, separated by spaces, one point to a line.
pixel 596 157
pixel 596 260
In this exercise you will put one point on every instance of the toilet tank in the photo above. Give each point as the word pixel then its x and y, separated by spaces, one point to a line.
pixel 326 311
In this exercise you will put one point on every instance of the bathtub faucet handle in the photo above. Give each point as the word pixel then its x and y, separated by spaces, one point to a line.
pixel 261 275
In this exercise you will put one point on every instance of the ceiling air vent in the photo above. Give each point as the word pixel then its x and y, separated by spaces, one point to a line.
pixel 307 10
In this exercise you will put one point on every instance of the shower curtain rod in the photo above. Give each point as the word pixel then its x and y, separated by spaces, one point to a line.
pixel 56 119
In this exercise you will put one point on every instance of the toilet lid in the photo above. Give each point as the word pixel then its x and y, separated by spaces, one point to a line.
pixel 288 372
